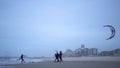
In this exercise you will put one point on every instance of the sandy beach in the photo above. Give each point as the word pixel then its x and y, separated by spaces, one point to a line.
pixel 73 62
pixel 68 64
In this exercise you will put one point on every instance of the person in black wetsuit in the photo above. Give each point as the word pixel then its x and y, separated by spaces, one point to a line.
pixel 22 58
pixel 60 56
pixel 56 57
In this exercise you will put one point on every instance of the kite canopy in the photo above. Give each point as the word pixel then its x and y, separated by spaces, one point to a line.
pixel 112 31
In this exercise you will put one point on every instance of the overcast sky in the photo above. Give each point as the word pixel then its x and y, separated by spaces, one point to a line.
pixel 39 27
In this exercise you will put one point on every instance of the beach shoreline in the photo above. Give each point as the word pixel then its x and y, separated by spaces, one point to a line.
pixel 51 59
pixel 67 64
pixel 71 62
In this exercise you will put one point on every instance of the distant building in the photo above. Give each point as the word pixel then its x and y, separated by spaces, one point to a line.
pixel 68 53
pixel 115 52
pixel 86 51
pixel 106 53
pixel 82 46
pixel 77 52
pixel 81 52
pixel 90 52
pixel 93 52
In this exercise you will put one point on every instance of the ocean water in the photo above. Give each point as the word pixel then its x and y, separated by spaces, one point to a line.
pixel 6 66
pixel 16 61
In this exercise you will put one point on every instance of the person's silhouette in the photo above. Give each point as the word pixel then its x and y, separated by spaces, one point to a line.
pixel 56 57
pixel 22 58
pixel 60 56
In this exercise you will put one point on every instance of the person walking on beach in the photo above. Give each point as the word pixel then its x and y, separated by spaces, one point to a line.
pixel 22 58
pixel 56 57
pixel 60 56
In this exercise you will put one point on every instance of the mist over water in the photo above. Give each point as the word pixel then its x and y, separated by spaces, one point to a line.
pixel 16 61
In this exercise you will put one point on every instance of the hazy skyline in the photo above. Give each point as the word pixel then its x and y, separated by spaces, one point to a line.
pixel 39 27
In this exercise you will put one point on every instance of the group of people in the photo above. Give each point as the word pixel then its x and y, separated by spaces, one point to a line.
pixel 58 57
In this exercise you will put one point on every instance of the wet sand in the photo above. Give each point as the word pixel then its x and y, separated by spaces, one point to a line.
pixel 68 64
